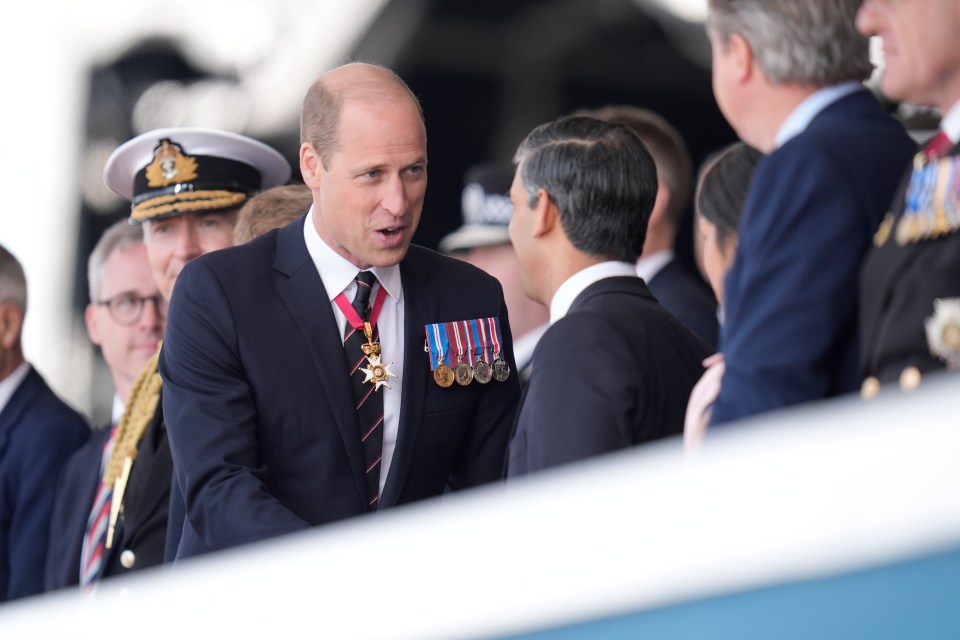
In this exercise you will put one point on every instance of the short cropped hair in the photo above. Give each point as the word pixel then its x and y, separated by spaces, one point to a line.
pixel 270 209
pixel 119 235
pixel 323 104
pixel 601 178
pixel 723 187
pixel 812 42
pixel 665 144
pixel 13 283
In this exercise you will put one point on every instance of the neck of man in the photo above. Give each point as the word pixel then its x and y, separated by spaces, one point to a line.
pixel 771 106
pixel 563 264
pixel 10 359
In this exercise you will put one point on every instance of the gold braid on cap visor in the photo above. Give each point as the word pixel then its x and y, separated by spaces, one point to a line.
pixel 185 202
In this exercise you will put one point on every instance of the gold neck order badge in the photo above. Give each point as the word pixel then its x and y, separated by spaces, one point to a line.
pixel 376 372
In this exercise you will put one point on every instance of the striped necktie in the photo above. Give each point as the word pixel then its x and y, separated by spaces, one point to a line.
pixel 369 404
pixel 95 538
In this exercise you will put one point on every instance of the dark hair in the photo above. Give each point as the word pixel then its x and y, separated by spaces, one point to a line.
pixel 665 144
pixel 601 178
pixel 723 187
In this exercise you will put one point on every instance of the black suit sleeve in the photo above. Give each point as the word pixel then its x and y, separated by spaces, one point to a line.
pixel 210 412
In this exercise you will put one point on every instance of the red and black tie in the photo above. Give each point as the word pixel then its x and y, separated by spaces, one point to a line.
pixel 368 403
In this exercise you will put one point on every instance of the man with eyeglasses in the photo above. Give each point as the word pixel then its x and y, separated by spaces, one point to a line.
pixel 185 186
pixel 125 318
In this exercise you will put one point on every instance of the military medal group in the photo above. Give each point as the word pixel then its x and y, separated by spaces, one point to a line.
pixel 932 211
pixel 465 351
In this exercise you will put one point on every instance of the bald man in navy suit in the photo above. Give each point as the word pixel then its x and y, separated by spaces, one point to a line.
pixel 263 415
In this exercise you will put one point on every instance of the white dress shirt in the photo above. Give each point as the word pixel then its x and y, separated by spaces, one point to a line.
pixel 950 123
pixel 339 276
pixel 575 284
pixel 649 266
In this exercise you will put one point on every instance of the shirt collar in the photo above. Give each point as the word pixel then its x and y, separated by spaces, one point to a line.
pixel 338 273
pixel 116 411
pixel 950 123
pixel 575 284
pixel 649 266
pixel 812 105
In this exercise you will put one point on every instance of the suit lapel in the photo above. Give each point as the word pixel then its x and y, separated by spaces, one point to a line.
pixel 301 289
pixel 420 308
pixel 19 402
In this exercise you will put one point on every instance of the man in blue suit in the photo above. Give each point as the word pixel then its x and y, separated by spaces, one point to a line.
pixel 271 430
pixel 787 76
pixel 38 432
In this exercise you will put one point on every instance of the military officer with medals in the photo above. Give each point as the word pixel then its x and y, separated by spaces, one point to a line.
pixel 615 368
pixel 185 186
pixel 299 385
pixel 910 279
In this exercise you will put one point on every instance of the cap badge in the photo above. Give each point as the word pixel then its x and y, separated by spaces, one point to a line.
pixel 170 165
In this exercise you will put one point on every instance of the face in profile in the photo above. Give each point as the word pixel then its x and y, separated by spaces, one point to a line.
pixel 369 198
pixel 920 54
pixel 717 254
pixel 173 242
pixel 521 230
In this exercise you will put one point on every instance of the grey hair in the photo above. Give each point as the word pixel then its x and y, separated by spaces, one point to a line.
pixel 813 42
pixel 13 284
pixel 117 236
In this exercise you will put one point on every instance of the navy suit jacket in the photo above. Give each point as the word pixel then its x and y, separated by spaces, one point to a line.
pixel 616 371
pixel 76 491
pixel 260 411
pixel 790 332
pixel 691 301
pixel 38 433
pixel 899 285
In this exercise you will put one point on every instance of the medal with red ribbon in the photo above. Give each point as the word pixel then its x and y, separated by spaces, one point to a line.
pixel 376 372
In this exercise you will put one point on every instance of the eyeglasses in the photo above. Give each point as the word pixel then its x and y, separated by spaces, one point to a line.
pixel 127 308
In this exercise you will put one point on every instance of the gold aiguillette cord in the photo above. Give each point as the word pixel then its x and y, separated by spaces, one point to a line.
pixel 119 487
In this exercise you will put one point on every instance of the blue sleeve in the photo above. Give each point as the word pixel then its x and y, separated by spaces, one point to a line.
pixel 791 293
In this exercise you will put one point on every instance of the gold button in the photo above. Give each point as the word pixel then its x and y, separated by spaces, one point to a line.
pixel 870 388
pixel 910 378
pixel 128 558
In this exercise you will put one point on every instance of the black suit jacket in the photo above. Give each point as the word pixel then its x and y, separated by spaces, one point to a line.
pixel 142 527
pixel 260 410
pixel 616 371
pixel 38 433
pixel 898 286
pixel 691 301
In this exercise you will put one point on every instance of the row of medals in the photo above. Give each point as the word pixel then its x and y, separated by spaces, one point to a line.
pixel 464 374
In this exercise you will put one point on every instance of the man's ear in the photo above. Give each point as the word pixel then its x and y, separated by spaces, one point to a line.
pixel 311 166
pixel 742 57
pixel 90 318
pixel 546 216
pixel 11 323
